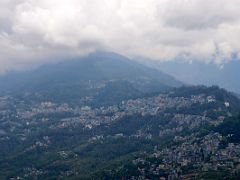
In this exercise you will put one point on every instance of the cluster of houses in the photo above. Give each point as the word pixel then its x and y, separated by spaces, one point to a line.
pixel 192 153
pixel 191 158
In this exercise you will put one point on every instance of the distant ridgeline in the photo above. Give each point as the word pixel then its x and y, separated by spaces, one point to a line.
pixel 201 73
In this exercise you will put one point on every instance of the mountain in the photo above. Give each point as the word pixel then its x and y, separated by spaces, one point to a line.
pixel 202 73
pixel 89 76
pixel 107 117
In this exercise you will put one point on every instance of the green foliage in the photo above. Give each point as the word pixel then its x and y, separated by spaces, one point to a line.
pixel 231 129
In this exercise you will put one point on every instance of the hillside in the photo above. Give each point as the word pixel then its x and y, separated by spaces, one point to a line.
pixel 172 134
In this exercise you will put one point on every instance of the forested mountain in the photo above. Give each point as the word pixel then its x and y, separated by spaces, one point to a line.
pixel 99 73
pixel 106 117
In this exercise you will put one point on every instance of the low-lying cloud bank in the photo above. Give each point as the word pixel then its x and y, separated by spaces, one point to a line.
pixel 32 32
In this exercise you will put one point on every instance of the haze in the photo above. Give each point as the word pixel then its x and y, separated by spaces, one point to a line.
pixel 36 32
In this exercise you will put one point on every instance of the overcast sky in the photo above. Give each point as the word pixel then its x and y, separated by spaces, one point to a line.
pixel 34 32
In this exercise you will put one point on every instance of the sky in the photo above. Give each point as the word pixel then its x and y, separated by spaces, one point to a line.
pixel 35 32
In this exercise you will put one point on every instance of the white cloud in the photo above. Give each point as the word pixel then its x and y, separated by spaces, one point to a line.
pixel 32 32
pixel 200 14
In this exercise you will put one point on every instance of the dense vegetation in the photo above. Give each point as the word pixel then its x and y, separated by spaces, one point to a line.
pixel 231 129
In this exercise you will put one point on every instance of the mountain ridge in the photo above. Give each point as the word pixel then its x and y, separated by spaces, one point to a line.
pixel 196 73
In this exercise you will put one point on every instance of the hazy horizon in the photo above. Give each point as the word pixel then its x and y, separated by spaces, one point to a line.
pixel 35 32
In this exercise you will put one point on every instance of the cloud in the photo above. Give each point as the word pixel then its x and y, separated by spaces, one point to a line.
pixel 34 32
pixel 200 14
